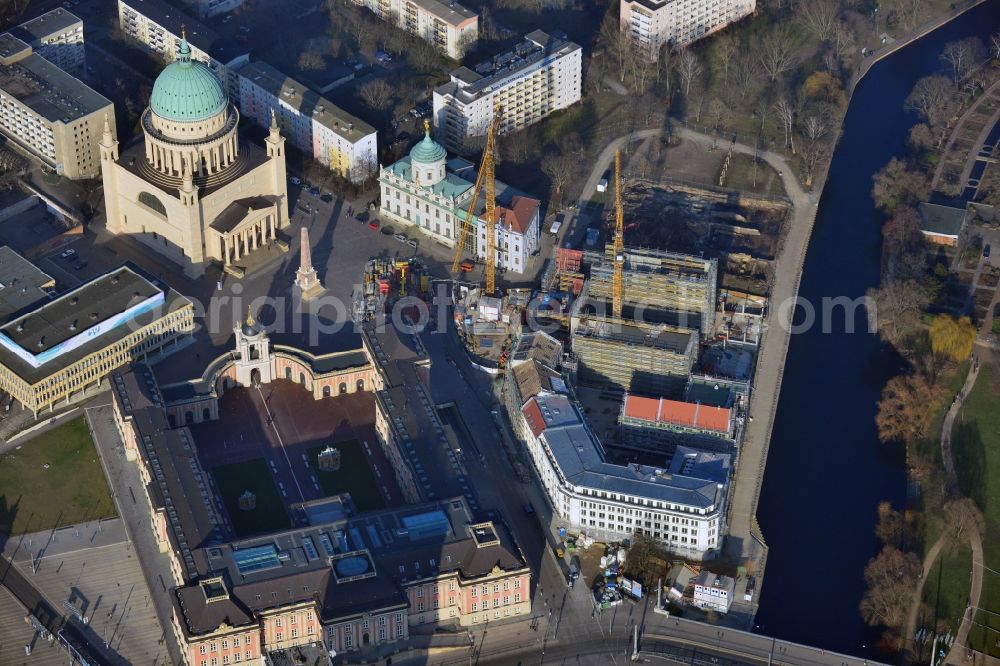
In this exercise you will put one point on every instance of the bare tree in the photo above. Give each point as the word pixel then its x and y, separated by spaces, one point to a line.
pixel 718 112
pixel 745 74
pixel 961 57
pixel 689 68
pixel 616 41
pixel 931 98
pixel 517 146
pixel 898 306
pixel 376 94
pixel 776 51
pixel 891 577
pixel 726 48
pixel 814 148
pixel 560 168
pixel 963 516
pixel 819 17
pixel 843 42
pixel 995 45
pixel 785 111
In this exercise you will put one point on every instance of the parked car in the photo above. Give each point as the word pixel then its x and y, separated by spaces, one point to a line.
pixel 528 509
pixel 412 242
pixel 294 180
pixel 986 250
pixel 314 191
pixel 326 198
pixel 373 224
pixel 68 255
pixel 400 237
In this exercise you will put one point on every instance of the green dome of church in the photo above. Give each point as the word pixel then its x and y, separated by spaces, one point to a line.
pixel 428 151
pixel 187 90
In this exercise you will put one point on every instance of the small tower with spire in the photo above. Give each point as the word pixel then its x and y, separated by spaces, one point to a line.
pixel 254 362
pixel 305 278
pixel 109 174
pixel 275 145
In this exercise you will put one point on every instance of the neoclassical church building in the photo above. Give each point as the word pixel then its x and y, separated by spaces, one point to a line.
pixel 192 189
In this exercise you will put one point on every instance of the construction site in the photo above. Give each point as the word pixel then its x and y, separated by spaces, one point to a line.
pixel 384 282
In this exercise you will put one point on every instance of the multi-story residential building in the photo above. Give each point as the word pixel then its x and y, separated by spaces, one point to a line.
pixel 57 36
pixel 652 24
pixel 432 194
pixel 612 502
pixel 313 124
pixel 713 592
pixel 351 584
pixel 50 114
pixel 158 25
pixel 447 26
pixel 59 349
pixel 541 75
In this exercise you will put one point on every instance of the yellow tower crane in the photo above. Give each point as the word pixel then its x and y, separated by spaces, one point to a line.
pixel 486 175
pixel 618 280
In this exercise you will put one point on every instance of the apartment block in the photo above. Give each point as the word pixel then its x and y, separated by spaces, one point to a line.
pixel 670 288
pixel 659 424
pixel 313 124
pixel 447 26
pixel 653 24
pixel 158 26
pixel 57 36
pixel 50 114
pixel 541 75
pixel 210 8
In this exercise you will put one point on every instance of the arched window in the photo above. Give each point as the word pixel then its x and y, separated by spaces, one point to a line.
pixel 172 420
pixel 326 391
pixel 151 202
pixel 343 388
pixel 206 414
pixel 254 353
pixel 188 418
pixel 361 385
pixel 302 378
pixel 288 373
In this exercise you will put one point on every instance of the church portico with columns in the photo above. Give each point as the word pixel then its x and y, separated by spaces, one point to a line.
pixel 192 190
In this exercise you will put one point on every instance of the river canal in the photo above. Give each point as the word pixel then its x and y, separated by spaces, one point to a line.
pixel 826 470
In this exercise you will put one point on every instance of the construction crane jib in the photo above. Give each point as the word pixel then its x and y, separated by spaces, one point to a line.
pixel 486 176
pixel 618 287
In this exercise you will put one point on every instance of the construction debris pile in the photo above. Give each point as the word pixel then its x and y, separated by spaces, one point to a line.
pixel 385 281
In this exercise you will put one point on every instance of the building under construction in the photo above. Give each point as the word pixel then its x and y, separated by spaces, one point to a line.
pixel 635 356
pixel 669 288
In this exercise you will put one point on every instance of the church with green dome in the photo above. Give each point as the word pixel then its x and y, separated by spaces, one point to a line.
pixel 192 189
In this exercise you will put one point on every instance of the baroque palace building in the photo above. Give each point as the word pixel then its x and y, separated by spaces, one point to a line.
pixel 193 190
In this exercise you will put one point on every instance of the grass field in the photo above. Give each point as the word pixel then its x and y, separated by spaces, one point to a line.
pixel 71 490
pixel 253 475
pixel 355 476
pixel 740 176
pixel 976 444
pixel 946 589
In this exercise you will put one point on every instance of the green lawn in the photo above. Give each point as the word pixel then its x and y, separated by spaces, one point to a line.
pixel 355 476
pixel 946 589
pixel 253 475
pixel 740 176
pixel 71 490
pixel 976 444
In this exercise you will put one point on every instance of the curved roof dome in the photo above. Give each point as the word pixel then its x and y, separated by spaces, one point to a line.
pixel 428 151
pixel 187 90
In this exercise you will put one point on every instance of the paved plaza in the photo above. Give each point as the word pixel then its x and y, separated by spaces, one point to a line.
pixel 92 568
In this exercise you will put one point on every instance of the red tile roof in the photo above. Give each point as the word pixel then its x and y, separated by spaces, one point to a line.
pixel 533 415
pixel 520 214
pixel 675 412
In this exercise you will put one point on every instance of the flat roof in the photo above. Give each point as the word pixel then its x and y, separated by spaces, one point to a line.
pixel 199 35
pixel 580 458
pixel 537 46
pixel 22 284
pixel 451 13
pixel 52 22
pixel 305 101
pixel 84 320
pixel 676 412
pixel 47 90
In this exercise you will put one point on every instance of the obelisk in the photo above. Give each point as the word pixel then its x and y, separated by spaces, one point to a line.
pixel 305 278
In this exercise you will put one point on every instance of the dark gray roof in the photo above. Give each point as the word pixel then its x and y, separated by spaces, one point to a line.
pixel 22 284
pixel 237 211
pixel 105 296
pixel 400 546
pixel 47 90
pixel 198 34
pixel 579 456
pixel 49 23
pixel 942 220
